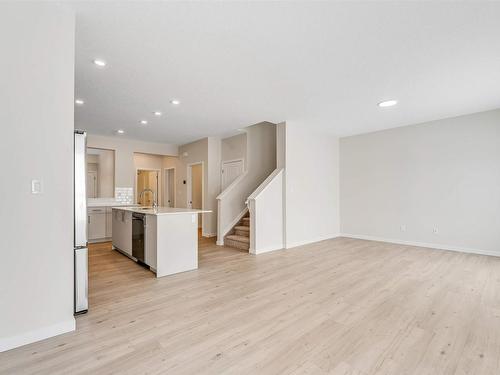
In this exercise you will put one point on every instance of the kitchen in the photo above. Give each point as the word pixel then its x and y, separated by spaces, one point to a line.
pixel 161 238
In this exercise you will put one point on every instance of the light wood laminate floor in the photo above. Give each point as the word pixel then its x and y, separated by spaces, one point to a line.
pixel 340 306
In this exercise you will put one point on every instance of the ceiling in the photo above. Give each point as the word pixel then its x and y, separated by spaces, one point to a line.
pixel 324 65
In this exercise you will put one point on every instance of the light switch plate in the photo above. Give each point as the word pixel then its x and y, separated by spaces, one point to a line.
pixel 36 186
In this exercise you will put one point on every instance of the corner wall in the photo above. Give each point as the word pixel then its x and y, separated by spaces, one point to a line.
pixel 442 175
pixel 37 93
pixel 312 185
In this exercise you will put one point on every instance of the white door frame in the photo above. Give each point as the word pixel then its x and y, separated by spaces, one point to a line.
pixel 158 193
pixel 96 182
pixel 189 175
pixel 165 187
pixel 229 161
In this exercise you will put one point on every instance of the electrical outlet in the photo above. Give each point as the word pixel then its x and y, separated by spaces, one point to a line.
pixel 402 228
pixel 36 187
pixel 435 230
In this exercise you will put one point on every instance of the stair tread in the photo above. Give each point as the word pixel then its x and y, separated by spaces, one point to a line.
pixel 235 237
pixel 242 227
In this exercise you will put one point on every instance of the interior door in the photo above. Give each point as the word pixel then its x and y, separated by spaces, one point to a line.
pixel 146 180
pixel 230 172
pixel 91 184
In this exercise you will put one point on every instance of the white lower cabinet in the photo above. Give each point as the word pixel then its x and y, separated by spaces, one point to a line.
pixel 109 222
pixel 122 230
pixel 150 241
pixel 96 220
pixel 100 224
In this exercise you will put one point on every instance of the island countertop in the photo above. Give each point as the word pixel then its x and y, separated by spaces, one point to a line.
pixel 161 210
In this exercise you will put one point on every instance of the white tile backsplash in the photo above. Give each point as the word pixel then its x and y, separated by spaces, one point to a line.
pixel 124 195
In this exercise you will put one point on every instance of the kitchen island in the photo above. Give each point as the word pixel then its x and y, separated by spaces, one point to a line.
pixel 165 239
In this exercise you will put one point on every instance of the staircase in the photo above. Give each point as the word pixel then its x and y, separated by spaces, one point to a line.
pixel 239 236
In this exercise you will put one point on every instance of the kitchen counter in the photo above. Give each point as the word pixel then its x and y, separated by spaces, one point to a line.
pixel 165 239
pixel 108 204
pixel 160 210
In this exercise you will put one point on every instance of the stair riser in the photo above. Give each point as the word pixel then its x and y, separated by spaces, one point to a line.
pixel 243 233
pixel 236 244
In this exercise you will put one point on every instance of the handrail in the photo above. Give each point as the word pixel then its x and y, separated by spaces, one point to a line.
pixel 262 187
pixel 231 186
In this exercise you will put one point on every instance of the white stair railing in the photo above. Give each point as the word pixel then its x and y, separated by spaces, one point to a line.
pixel 266 205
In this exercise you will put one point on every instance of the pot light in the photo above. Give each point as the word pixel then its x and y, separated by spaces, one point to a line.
pixel 157 113
pixel 388 103
pixel 144 122
pixel 120 131
pixel 79 101
pixel 175 102
pixel 100 62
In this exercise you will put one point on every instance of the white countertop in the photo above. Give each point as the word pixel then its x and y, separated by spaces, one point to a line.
pixel 161 210
pixel 107 204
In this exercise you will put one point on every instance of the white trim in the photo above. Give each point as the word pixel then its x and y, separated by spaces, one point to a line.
pixel 165 174
pixel 189 188
pixel 209 235
pixel 234 160
pixel 220 241
pixel 263 186
pixel 423 244
pixel 43 333
pixel 307 242
pixel 231 186
pixel 265 250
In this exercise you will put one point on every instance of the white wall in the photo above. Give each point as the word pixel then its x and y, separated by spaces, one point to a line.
pixel 312 185
pixel 36 242
pixel 443 174
pixel 124 154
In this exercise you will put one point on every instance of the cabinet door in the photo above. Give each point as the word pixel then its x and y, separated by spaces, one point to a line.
pixel 150 240
pixel 126 235
pixel 109 222
pixel 96 223
pixel 117 229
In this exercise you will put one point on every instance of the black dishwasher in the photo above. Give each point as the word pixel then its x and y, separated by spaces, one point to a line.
pixel 138 224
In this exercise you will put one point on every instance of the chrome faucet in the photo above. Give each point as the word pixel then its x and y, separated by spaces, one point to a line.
pixel 155 203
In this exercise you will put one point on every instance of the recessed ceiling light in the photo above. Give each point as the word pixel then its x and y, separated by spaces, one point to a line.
pixel 144 122
pixel 157 113
pixel 100 62
pixel 120 131
pixel 388 103
pixel 175 102
pixel 79 101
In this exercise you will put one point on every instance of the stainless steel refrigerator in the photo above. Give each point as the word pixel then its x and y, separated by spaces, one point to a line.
pixel 80 241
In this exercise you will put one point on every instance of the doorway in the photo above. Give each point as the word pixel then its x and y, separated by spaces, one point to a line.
pixel 147 179
pixel 230 171
pixel 169 187
pixel 195 198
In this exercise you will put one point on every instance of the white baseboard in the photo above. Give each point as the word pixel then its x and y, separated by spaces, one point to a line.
pixel 265 250
pixel 307 242
pixel 219 243
pixel 209 235
pixel 12 342
pixel 423 244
